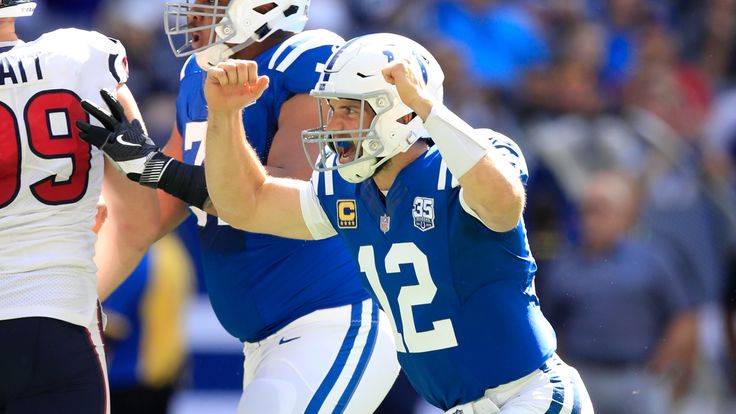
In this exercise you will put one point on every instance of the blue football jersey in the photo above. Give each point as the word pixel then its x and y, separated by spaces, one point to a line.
pixel 460 297
pixel 259 283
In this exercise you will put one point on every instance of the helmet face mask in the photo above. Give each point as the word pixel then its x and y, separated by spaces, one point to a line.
pixel 16 8
pixel 177 23
pixel 239 22
pixel 354 72
pixel 368 147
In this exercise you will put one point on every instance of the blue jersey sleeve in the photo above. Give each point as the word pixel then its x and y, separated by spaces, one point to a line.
pixel 190 105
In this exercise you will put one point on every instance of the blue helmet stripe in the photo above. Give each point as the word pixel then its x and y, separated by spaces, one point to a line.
pixel 423 67
pixel 339 52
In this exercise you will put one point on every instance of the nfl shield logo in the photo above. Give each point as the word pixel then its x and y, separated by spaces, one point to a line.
pixel 423 213
pixel 385 223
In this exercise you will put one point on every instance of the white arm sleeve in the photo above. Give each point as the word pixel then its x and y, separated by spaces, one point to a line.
pixel 313 213
pixel 460 145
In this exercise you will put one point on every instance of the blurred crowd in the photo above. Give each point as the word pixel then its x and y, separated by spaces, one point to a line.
pixel 626 113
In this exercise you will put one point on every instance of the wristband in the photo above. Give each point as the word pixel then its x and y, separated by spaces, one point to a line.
pixel 183 181
pixel 460 145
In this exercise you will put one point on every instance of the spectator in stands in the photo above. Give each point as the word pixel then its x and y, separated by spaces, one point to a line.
pixel 620 311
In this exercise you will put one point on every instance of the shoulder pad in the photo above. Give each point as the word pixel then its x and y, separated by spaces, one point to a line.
pixel 294 47
pixel 113 49
pixel 302 57
pixel 77 37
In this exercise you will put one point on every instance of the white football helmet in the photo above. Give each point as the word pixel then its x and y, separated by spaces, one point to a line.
pixel 16 8
pixel 237 23
pixel 354 72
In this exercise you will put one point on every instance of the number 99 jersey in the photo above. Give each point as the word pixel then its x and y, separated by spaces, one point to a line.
pixel 50 180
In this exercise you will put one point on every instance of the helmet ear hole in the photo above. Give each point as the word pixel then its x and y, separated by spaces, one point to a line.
pixel 265 8
pixel 406 118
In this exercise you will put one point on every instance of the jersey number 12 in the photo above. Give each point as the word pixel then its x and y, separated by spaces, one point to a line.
pixel 442 335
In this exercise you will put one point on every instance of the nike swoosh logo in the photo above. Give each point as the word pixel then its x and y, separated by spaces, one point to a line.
pixel 120 141
pixel 284 340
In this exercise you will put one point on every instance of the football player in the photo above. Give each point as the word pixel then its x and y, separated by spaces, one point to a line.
pixel 436 230
pixel 314 341
pixel 51 352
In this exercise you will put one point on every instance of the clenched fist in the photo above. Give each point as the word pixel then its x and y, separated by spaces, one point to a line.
pixel 232 85
pixel 412 92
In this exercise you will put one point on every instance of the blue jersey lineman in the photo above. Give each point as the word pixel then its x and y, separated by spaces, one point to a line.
pixel 250 277
pixel 268 290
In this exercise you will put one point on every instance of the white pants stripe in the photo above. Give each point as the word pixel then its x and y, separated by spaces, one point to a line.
pixel 94 332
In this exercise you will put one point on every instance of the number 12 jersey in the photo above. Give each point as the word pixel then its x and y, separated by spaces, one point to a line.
pixel 460 297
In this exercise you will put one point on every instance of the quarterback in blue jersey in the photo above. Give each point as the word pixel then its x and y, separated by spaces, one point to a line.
pixel 314 339
pixel 436 230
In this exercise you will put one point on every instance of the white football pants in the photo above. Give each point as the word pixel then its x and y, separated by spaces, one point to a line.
pixel 339 360
pixel 555 388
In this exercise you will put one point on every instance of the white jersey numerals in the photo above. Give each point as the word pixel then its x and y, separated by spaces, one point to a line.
pixel 196 132
pixel 442 335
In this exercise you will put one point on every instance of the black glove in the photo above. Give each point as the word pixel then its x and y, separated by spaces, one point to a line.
pixel 135 155
pixel 125 143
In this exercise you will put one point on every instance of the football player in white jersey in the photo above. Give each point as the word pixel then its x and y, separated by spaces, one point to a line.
pixel 51 352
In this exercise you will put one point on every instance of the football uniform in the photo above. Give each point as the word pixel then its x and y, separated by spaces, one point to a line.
pixel 50 182
pixel 460 296
pixel 263 287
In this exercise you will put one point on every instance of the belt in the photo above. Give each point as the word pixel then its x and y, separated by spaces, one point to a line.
pixel 482 405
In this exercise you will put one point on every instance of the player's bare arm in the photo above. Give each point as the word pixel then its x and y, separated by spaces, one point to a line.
pixel 240 188
pixel 492 188
pixel 286 157
pixel 130 227
pixel 174 210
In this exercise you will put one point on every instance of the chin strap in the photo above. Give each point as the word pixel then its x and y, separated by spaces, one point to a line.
pixel 219 53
